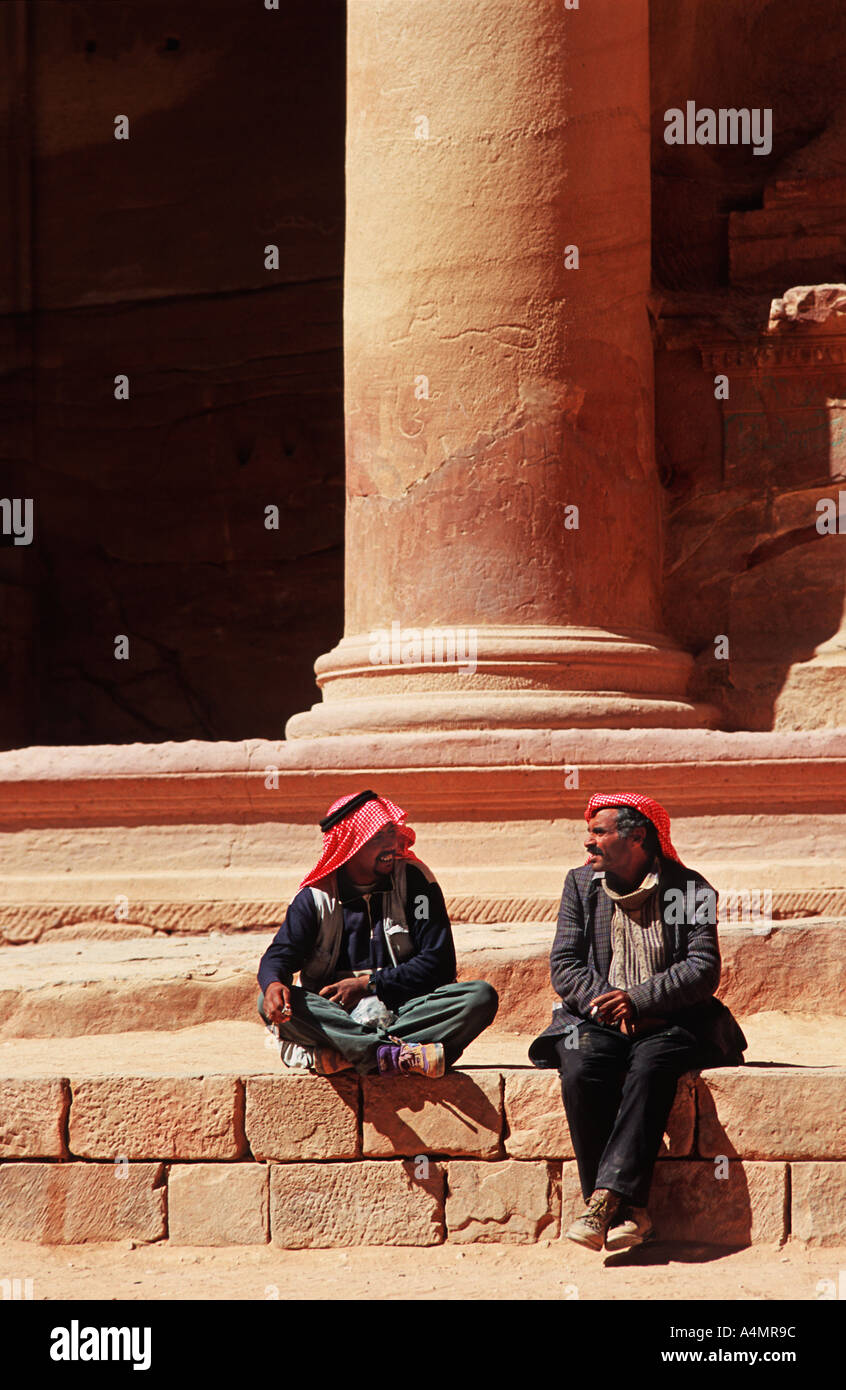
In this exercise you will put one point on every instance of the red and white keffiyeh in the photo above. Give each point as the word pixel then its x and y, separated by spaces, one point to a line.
pixel 346 838
pixel 653 811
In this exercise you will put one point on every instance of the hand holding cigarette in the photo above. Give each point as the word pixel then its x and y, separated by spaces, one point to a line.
pixel 277 1003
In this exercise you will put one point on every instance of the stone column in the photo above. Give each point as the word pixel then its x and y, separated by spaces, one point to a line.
pixel 503 505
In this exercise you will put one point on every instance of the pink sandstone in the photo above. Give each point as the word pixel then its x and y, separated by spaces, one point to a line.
pixel 818 1203
pixel 537 1126
pixel 157 1117
pixel 66 1203
pixel 758 1112
pixel 542 360
pixel 509 1203
pixel 217 1203
pixel 32 1118
pixel 459 1114
pixel 572 1201
pixel 691 1202
pixel 326 1204
pixel 302 1117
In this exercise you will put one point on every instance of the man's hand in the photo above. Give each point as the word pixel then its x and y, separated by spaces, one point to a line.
pixel 277 1003
pixel 613 1007
pixel 347 992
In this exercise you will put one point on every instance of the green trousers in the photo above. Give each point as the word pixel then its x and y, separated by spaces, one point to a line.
pixel 452 1014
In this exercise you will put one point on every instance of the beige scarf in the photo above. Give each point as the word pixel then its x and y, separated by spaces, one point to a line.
pixel 637 939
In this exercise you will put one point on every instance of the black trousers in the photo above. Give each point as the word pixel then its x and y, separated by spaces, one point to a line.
pixel 618 1093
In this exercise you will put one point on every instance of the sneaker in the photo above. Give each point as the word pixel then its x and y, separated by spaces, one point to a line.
pixel 405 1059
pixel 327 1062
pixel 632 1226
pixel 590 1228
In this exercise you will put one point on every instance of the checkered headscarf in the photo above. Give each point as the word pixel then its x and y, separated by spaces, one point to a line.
pixel 653 811
pixel 346 838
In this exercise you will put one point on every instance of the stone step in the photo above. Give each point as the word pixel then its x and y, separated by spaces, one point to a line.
pixel 235 1047
pixel 164 1148
pixel 60 988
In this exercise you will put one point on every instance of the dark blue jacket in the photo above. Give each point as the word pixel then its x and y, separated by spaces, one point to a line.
pixel 363 946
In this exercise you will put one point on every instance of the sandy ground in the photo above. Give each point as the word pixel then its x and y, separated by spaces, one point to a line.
pixel 556 1270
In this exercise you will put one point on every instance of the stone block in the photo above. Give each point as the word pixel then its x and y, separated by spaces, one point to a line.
pixel 789 967
pixel 536 1126
pixel 32 1117
pixel 772 1112
pixel 302 1117
pixel 691 1201
pixel 168 1117
pixel 572 1201
pixel 459 1114
pixel 510 1203
pixel 818 1203
pixel 217 1204
pixel 329 1204
pixel 67 1203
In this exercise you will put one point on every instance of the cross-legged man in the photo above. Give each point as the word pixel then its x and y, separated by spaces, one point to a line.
pixel 368 932
pixel 635 962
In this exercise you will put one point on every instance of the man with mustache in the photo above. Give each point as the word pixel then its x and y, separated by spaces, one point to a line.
pixel 635 961
pixel 369 933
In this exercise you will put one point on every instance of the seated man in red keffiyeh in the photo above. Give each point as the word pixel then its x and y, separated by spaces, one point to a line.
pixel 635 961
pixel 368 932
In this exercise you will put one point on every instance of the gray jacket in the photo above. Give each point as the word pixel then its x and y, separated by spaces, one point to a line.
pixel 683 992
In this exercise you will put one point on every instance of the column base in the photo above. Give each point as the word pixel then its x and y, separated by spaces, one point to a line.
pixel 431 679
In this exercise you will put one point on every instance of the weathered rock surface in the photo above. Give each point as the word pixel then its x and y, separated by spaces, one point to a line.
pixel 63 988
pixel 726 1204
pixel 158 502
pixel 164 1117
pixel 319 1204
pixel 534 1114
pixel 512 1203
pixel 217 1204
pixel 64 1203
pixel 818 1203
pixel 459 1114
pixel 292 1117
pixel 809 304
pixel 33 1115
pixel 759 1112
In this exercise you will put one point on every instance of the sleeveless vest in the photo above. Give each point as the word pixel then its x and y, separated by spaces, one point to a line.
pixel 319 969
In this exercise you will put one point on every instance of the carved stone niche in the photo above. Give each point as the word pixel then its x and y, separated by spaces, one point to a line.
pixel 784 432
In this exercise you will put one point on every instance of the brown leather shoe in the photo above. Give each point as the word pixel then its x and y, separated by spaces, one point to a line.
pixel 631 1226
pixel 590 1228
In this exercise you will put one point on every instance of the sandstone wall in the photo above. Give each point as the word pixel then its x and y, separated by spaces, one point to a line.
pixel 731 232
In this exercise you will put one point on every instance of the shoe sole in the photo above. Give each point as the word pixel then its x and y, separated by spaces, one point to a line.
pixel 584 1241
pixel 628 1242
pixel 432 1072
